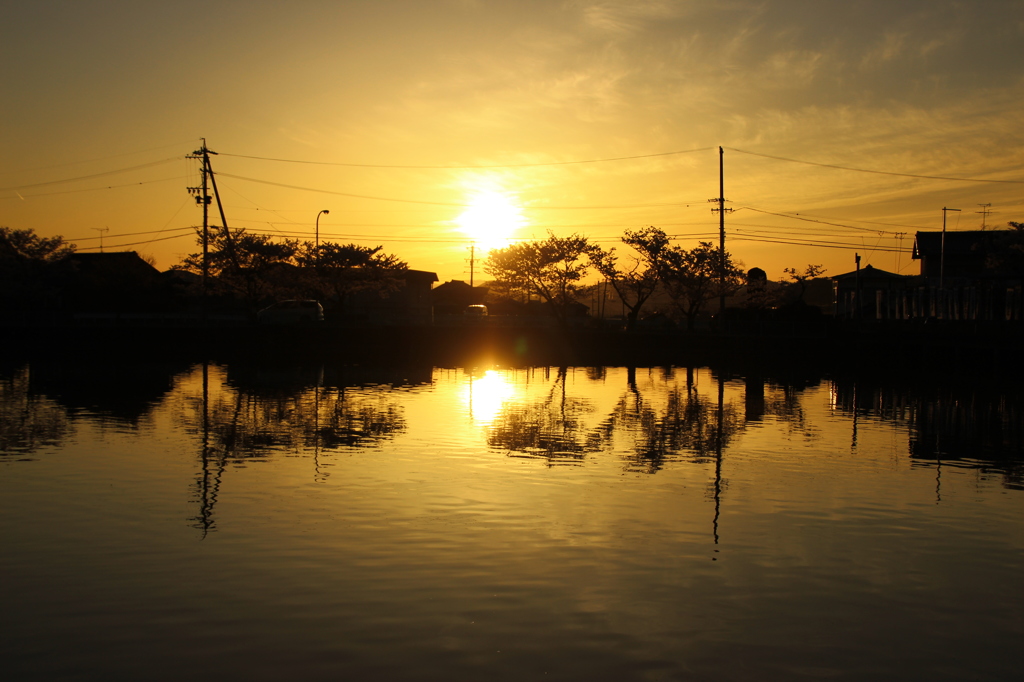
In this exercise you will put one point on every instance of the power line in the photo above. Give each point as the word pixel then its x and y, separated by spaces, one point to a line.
pixel 799 231
pixel 94 189
pixel 877 172
pixel 101 158
pixel 470 167
pixel 127 234
pixel 150 241
pixel 822 222
pixel 438 203
pixel 93 175
pixel 815 243
pixel 805 216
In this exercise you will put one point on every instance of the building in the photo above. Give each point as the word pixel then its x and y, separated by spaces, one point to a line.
pixel 870 293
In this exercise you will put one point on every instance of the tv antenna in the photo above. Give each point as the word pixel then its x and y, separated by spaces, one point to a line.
pixel 101 230
pixel 984 213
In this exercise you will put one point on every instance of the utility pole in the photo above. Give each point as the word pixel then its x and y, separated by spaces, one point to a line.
pixel 942 249
pixel 472 262
pixel 202 195
pixel 203 198
pixel 721 210
pixel 856 288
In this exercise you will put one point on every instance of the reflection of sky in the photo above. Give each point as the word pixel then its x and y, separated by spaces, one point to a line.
pixel 484 396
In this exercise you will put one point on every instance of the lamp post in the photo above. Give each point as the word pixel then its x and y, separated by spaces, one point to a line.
pixel 317 250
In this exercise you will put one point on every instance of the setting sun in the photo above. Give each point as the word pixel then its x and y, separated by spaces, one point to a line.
pixel 491 220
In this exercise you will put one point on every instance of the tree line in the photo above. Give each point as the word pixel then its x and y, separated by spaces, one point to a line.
pixel 554 270
pixel 255 268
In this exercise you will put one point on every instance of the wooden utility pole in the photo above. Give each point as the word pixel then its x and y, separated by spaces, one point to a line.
pixel 942 248
pixel 203 198
pixel 721 210
pixel 202 195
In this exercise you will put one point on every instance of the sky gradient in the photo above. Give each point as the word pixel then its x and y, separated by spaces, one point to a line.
pixel 590 117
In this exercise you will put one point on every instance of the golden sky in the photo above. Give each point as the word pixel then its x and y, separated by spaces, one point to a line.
pixel 569 117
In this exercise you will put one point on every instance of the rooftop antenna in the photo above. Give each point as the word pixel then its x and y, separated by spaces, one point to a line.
pixel 101 230
pixel 984 213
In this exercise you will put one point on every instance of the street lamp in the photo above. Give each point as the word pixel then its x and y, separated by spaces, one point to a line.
pixel 317 228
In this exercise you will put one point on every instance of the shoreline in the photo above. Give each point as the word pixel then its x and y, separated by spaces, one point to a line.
pixel 938 347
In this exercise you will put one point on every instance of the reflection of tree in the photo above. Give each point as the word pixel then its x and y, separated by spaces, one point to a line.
pixel 248 423
pixel 685 427
pixel 240 424
pixel 28 421
pixel 784 402
pixel 549 429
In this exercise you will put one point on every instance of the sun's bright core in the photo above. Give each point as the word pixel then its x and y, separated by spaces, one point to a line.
pixel 491 220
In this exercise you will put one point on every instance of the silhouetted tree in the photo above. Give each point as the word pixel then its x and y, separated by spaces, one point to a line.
pixel 633 284
pixel 1006 251
pixel 27 265
pixel 26 245
pixel 244 265
pixel 551 269
pixel 801 278
pixel 257 268
pixel 331 271
pixel 691 277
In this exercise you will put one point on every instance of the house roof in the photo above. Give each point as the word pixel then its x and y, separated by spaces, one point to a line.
pixel 870 271
pixel 963 242
pixel 122 262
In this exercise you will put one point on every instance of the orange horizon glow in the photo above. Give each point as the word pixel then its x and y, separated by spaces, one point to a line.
pixel 428 130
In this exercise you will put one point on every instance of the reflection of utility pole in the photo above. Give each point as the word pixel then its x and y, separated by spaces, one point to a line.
pixel 205 503
pixel 210 472
pixel 719 437
pixel 101 230
pixel 721 210
pixel 853 435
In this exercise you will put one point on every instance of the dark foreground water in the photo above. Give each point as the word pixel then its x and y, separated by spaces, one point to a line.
pixel 237 522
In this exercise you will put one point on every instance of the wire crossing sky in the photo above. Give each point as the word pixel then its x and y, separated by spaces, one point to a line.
pixel 431 127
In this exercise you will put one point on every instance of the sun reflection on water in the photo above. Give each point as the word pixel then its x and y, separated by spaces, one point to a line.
pixel 484 395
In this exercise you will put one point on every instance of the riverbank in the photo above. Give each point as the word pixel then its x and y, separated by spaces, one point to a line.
pixel 937 347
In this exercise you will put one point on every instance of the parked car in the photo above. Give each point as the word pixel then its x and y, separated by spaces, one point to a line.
pixel 476 310
pixel 292 312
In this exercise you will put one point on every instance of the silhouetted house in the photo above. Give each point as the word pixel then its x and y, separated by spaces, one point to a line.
pixel 970 275
pixel 404 299
pixel 955 254
pixel 872 294
pixel 110 282
pixel 453 297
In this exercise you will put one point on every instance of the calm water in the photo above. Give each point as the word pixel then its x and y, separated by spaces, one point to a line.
pixel 329 523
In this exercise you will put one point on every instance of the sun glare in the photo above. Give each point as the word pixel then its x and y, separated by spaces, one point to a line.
pixel 491 220
pixel 484 396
